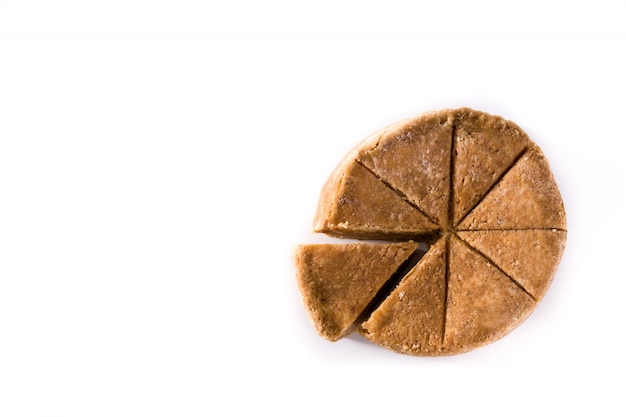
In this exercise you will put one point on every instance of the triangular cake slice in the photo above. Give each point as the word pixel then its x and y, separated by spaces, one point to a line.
pixel 410 320
pixel 530 257
pixel 483 304
pixel 526 198
pixel 485 146
pixel 356 204
pixel 337 281
pixel 414 158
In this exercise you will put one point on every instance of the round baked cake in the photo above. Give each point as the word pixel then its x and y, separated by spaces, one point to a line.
pixel 478 192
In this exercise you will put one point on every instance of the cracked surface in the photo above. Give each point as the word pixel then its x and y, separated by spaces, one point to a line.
pixel 482 193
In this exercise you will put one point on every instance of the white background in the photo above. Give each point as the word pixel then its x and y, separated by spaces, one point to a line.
pixel 160 159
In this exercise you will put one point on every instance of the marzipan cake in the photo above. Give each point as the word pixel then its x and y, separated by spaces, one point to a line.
pixel 474 188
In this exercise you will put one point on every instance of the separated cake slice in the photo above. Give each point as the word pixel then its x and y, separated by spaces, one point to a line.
pixel 530 257
pixel 355 203
pixel 483 304
pixel 410 320
pixel 485 147
pixel 525 198
pixel 338 281
pixel 414 158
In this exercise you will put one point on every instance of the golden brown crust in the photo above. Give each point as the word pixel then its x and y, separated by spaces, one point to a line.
pixel 338 281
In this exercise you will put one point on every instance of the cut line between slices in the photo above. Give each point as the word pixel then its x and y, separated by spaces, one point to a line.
pixel 398 192
pixel 496 266
pixel 498 180
pixel 390 285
